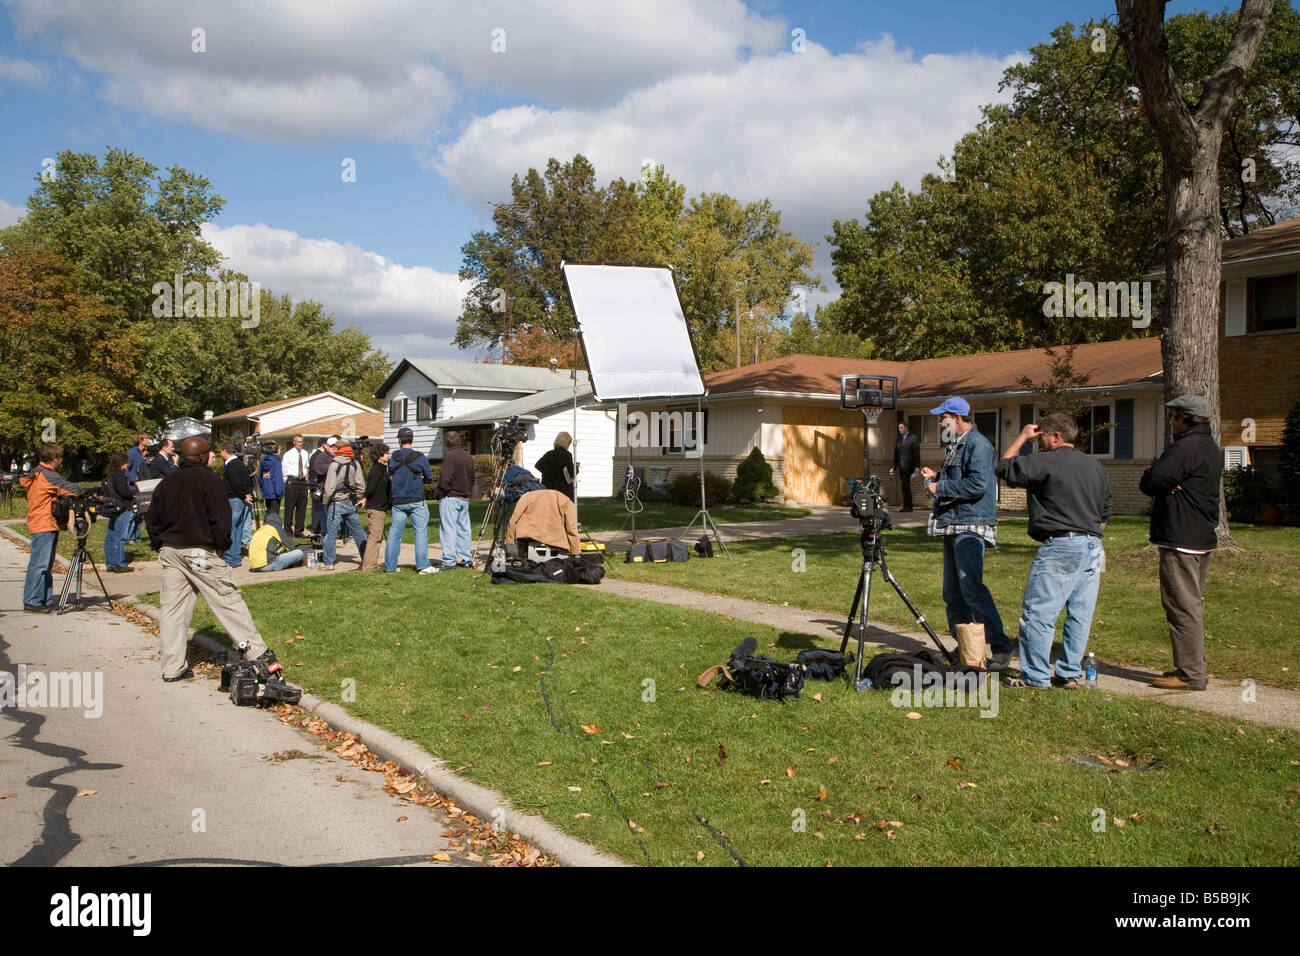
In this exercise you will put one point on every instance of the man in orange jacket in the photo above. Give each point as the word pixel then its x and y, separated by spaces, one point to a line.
pixel 43 486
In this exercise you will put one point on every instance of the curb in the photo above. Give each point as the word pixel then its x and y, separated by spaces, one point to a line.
pixel 484 802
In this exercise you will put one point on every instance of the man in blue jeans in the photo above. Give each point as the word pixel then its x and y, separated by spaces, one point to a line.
pixel 964 512
pixel 411 472
pixel 1069 505
pixel 239 491
pixel 454 487
pixel 44 485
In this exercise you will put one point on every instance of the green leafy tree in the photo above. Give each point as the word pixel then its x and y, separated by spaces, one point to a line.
pixel 70 365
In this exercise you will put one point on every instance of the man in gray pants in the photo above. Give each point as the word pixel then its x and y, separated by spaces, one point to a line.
pixel 189 527
pixel 1183 485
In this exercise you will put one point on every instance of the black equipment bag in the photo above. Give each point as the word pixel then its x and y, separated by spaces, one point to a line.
pixel 571 570
pixel 824 665
pixel 520 576
pixel 579 569
pixel 658 551
pixel 882 668
pixel 704 547
pixel 762 677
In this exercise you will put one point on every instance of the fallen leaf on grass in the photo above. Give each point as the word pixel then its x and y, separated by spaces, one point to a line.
pixel 891 834
pixel 591 728
pixel 664 783
pixel 1240 731
pixel 722 754
pixel 817 697
pixel 761 783
pixel 821 795
pixel 473 857
pixel 1136 818
pixel 515 670
pixel 544 763
pixel 582 816
pixel 1118 822
pixel 833 760
pixel 955 763
pixel 913 715
pixel 789 771
pixel 699 857
pixel 966 785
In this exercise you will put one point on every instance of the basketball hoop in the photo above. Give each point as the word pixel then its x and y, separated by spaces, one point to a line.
pixel 871 413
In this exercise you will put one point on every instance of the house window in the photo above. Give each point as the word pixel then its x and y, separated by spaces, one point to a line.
pixel 426 407
pixel 1276 303
pixel 397 411
pixel 683 429
pixel 1095 427
pixel 925 428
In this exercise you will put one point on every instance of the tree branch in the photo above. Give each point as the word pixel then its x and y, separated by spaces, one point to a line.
pixel 1142 31
pixel 1223 87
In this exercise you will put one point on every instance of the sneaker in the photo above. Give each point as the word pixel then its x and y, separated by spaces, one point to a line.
pixel 431 569
pixel 326 567
pixel 38 608
pixel 187 674
pixel 465 564
pixel 1067 683
pixel 1000 662
pixel 1021 682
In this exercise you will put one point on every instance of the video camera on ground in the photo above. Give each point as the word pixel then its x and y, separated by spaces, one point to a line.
pixel 259 682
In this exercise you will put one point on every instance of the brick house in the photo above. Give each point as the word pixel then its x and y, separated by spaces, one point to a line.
pixel 789 409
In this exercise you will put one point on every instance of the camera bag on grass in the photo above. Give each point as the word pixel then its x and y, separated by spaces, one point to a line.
pixel 575 569
pixel 883 669
pixel 823 665
pixel 757 675
pixel 658 551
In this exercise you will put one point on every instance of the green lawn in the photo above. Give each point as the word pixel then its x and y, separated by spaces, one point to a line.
pixel 1250 599
pixel 584 707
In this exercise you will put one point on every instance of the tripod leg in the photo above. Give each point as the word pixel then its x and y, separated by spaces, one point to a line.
pixel 94 567
pixel 853 610
pixel 716 534
pixel 950 656
pixel 862 620
pixel 67 583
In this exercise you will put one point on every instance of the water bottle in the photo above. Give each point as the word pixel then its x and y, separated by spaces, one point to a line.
pixel 1090 672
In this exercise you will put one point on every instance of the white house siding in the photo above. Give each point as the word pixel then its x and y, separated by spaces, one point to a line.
pixel 411 386
pixel 317 408
pixel 593 447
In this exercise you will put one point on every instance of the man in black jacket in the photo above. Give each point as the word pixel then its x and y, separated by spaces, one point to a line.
pixel 189 526
pixel 239 491
pixel 1183 485
pixel 907 458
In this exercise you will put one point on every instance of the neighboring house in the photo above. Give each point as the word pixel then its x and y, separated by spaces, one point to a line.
pixel 430 395
pixel 789 409
pixel 1259 343
pixel 312 416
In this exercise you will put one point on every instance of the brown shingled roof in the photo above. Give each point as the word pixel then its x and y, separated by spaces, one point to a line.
pixel 1108 365
pixel 1284 237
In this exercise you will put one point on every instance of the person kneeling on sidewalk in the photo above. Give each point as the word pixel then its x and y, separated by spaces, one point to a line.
pixel 268 552
pixel 189 526
pixel 1069 505
pixel 342 495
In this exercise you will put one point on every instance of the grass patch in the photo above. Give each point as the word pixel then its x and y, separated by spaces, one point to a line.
pixel 500 681
pixel 1249 603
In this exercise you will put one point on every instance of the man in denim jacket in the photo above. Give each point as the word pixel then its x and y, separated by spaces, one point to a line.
pixel 964 513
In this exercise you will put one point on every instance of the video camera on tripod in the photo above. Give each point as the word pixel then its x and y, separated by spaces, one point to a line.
pixel 867 504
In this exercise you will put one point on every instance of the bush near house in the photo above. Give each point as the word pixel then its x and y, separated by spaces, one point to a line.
pixel 1247 493
pixel 753 479
pixel 684 489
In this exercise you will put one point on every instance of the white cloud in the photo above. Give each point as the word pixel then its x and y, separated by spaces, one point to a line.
pixel 305 70
pixel 10 214
pixel 23 71
pixel 406 310
pixel 816 133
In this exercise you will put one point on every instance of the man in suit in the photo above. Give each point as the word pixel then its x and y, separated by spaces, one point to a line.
pixel 295 466
pixel 907 458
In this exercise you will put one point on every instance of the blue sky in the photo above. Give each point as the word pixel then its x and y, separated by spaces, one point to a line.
pixel 437 120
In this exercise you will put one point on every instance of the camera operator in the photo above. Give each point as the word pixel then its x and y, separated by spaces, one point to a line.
pixel 320 463
pixel 117 486
pixel 189 526
pixel 411 472
pixel 239 491
pixel 43 486
pixel 295 465
pixel 964 513
pixel 342 495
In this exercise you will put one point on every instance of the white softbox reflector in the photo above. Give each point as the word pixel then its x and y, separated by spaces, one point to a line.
pixel 633 332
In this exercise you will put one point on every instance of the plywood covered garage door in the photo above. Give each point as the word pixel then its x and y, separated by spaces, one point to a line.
pixel 823 446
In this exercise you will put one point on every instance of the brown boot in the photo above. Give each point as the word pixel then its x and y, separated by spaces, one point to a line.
pixel 1174 683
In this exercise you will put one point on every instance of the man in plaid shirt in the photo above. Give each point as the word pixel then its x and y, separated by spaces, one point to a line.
pixel 964 513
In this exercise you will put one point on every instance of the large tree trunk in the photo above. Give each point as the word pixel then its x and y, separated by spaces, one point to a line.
pixel 1189 140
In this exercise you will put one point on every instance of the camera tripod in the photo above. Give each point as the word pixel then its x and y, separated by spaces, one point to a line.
pixel 873 554
pixel 79 559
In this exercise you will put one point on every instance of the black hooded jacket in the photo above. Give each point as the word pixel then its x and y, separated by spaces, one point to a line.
pixel 1188 517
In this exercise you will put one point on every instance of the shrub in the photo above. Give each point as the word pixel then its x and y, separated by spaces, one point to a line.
pixel 753 479
pixel 1247 494
pixel 684 489
pixel 1289 460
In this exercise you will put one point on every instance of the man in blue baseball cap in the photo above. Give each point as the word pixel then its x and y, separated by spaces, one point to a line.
pixel 964 513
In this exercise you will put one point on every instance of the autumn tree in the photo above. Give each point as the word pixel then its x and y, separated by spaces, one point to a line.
pixel 1189 115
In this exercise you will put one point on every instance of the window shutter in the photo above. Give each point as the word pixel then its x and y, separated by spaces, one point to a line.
pixel 1123 428
pixel 1234 308
pixel 1235 456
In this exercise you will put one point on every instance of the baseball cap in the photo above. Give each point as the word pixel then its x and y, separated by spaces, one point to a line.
pixel 953 406
pixel 1193 405
pixel 331 441
pixel 405 434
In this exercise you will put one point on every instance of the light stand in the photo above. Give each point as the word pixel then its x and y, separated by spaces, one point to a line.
pixel 706 522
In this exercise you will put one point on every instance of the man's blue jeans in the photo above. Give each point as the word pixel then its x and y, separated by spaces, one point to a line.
pixel 119 530
pixel 453 531
pixel 289 559
pixel 1066 573
pixel 239 513
pixel 418 512
pixel 38 588
pixel 967 598
pixel 341 513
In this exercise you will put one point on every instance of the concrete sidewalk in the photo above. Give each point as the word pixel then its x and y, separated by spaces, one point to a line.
pixel 1271 705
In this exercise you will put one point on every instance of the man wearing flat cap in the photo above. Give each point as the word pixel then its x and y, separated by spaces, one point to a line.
pixel 1183 485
